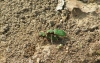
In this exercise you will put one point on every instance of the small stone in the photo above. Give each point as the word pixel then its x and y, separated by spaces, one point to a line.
pixel 84 29
pixel 51 23
pixel 64 18
pixel 97 60
pixel 88 38
pixel 93 28
pixel 38 60
pixel 85 1
pixel 77 30
pixel 59 46
pixel 4 29
pixel 2 37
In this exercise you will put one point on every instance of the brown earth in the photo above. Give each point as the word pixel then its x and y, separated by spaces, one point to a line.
pixel 22 20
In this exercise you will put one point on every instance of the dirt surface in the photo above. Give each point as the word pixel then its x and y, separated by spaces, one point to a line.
pixel 22 20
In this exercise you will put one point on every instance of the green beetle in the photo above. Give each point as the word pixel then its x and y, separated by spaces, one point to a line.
pixel 59 32
pixel 52 35
pixel 50 31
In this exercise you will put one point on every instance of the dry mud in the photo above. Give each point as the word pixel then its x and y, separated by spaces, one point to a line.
pixel 22 20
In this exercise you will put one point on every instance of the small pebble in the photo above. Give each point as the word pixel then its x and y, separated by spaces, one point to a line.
pixel 59 46
pixel 93 28
pixel 4 29
pixel 85 1
pixel 2 37
pixel 77 30
pixel 51 23
pixel 84 29
pixel 88 38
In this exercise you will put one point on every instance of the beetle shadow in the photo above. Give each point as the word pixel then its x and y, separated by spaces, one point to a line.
pixel 61 40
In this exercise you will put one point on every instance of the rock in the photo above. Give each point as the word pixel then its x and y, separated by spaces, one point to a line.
pixel 84 29
pixel 4 29
pixel 42 53
pixel 2 37
pixel 51 23
pixel 2 59
pixel 77 30
pixel 88 38
pixel 94 49
pixel 85 1
pixel 97 60
pixel 38 60
pixel 64 15
pixel 30 60
pixel 60 5
pixel 64 18
pixel 93 28
pixel 91 7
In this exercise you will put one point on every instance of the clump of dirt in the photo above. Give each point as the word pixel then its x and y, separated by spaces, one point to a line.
pixel 21 21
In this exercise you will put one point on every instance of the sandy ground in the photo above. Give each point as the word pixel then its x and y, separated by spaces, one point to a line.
pixel 22 20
